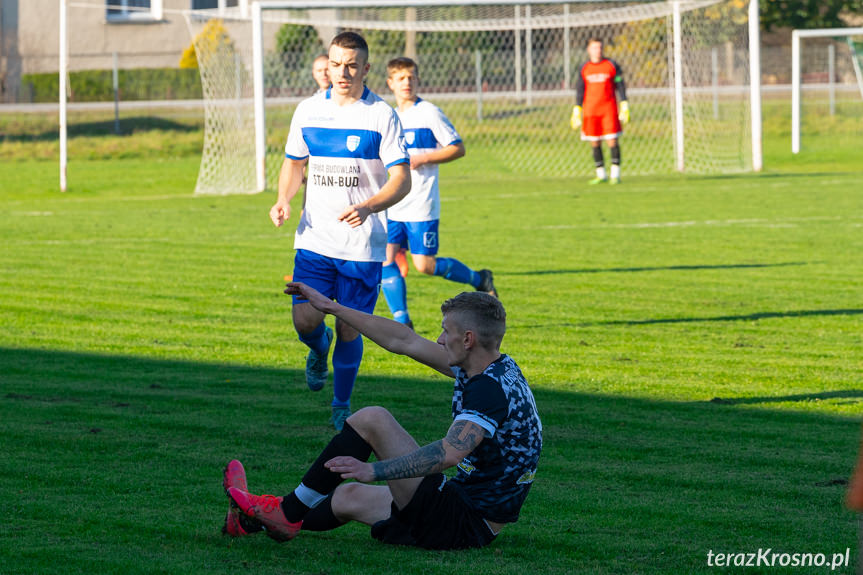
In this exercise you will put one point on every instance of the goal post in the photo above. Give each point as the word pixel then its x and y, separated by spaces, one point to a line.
pixel 504 72
pixel 828 74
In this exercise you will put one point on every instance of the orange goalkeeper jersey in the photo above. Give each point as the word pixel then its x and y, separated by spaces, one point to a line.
pixel 595 87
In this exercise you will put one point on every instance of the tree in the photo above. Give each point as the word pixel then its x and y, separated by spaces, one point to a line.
pixel 807 13
pixel 212 41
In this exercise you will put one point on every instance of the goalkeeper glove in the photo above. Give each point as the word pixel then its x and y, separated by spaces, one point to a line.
pixel 623 116
pixel 575 119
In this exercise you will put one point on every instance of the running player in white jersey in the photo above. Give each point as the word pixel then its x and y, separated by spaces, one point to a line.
pixel 413 222
pixel 351 140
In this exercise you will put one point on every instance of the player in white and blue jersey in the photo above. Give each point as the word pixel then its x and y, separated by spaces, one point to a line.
pixel 353 144
pixel 413 222
pixel 494 441
pixel 321 72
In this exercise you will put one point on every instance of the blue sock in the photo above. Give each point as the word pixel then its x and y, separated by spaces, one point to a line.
pixel 347 356
pixel 316 340
pixel 395 291
pixel 454 270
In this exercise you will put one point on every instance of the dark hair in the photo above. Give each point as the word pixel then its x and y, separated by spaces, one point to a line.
pixel 480 313
pixel 401 63
pixel 351 41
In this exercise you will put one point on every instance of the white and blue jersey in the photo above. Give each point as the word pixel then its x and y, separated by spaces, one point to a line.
pixel 426 129
pixel 350 148
pixel 497 475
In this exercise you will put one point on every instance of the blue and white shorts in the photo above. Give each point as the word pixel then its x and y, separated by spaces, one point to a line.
pixel 420 238
pixel 352 284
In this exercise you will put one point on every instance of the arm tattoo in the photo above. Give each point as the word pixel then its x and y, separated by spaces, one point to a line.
pixel 462 435
pixel 423 461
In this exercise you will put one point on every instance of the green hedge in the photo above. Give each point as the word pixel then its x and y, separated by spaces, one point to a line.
pixel 97 85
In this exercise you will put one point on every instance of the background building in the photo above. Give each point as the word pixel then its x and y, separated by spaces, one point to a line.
pixel 142 34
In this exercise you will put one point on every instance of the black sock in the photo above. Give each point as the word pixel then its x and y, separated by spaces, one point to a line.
pixel 615 155
pixel 322 518
pixel 294 509
pixel 597 157
pixel 348 442
pixel 319 478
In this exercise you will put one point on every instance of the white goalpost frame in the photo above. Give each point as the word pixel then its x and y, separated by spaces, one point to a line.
pixel 796 35
pixel 754 66
pixel 755 85
pixel 64 62
pixel 252 10
pixel 258 51
pixel 158 11
pixel 677 43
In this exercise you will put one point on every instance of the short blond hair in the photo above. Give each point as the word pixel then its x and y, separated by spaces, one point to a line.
pixel 480 313
pixel 401 63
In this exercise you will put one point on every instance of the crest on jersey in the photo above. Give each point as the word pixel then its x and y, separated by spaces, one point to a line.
pixel 466 466
pixel 353 142
pixel 409 137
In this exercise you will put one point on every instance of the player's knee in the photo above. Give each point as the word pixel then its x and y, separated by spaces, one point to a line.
pixel 369 418
pixel 345 332
pixel 425 264
pixel 345 501
pixel 305 325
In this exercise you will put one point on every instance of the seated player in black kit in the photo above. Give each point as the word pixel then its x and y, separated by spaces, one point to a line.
pixel 495 441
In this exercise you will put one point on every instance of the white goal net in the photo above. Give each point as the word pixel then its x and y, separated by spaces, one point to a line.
pixel 827 85
pixel 504 74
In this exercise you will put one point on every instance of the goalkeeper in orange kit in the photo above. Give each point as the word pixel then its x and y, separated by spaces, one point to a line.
pixel 596 109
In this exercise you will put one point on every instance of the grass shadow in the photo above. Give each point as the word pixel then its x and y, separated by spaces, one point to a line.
pixel 128 127
pixel 122 457
pixel 743 317
pixel 650 269
pixel 775 175
pixel 800 397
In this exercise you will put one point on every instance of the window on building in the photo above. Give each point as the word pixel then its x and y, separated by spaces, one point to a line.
pixel 125 10
pixel 213 4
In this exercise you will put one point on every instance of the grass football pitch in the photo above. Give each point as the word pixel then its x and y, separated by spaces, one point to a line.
pixel 695 345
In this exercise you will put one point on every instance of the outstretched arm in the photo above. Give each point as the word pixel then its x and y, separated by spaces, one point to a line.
pixel 461 439
pixel 389 334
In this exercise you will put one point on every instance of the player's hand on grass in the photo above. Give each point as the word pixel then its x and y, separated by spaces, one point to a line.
pixel 350 468
pixel 355 215
pixel 319 301
pixel 623 115
pixel 575 119
pixel 280 212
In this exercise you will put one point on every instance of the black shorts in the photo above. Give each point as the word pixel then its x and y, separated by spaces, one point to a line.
pixel 439 516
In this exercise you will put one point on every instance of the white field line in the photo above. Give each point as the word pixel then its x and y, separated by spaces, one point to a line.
pixel 780 223
pixel 754 222
pixel 235 240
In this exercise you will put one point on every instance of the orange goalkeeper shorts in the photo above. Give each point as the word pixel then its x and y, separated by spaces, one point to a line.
pixel 605 127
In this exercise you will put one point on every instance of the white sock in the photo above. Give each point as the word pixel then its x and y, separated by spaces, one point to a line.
pixel 309 497
pixel 600 173
pixel 615 171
